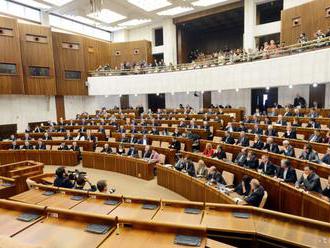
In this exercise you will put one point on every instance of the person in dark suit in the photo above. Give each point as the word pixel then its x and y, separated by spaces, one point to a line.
pixel 241 157
pixel 82 130
pixel 241 127
pixel 144 140
pixel 133 152
pixel 256 129
pixel 47 136
pixel 270 131
pixel 309 180
pixel 68 135
pixel 63 147
pixel 287 112
pixel 299 101
pixel 38 129
pixel 214 176
pixel 266 167
pixel 89 136
pixel 228 139
pixel 27 146
pixel 280 121
pixel 313 124
pixel 219 153
pixel 186 165
pixel 121 129
pixel 40 145
pixel 14 146
pixel 121 149
pixel 176 133
pixel 312 113
pixel 316 137
pixel 251 161
pixel 257 143
pixel 230 128
pixel 144 131
pixel 12 137
pixel 244 187
pixel 147 152
pixel 326 191
pixel 271 146
pixel 182 124
pixel 106 149
pixel 132 139
pixel 242 140
pixel 297 113
pixel 27 137
pixel 175 144
pixel 287 150
pixel 123 138
pixel 154 131
pixel 309 154
pixel 326 157
pixel 101 129
pixel 290 133
pixel 61 129
pixel 256 195
pixel 286 173
pixel 75 147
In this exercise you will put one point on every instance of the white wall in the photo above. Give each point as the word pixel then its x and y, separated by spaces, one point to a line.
pixel 240 99
pixel 22 109
pixel 287 95
pixel 293 3
pixel 173 101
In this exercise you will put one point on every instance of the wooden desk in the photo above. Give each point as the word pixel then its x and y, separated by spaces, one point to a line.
pixel 32 196
pixel 62 200
pixel 134 211
pixel 7 191
pixel 94 205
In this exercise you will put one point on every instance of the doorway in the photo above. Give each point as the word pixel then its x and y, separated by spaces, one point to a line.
pixel 156 101
pixel 317 94
pixel 263 98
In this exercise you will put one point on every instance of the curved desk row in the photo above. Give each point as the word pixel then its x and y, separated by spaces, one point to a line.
pixel 282 197
pixel 122 164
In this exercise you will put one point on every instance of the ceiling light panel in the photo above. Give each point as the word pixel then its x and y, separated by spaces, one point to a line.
pixel 34 4
pixel 82 19
pixel 134 22
pixel 107 16
pixel 150 5
pixel 174 11
pixel 204 3
pixel 110 28
pixel 58 2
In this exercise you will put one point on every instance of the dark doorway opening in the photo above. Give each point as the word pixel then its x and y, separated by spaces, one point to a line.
pixel 317 94
pixel 263 98
pixel 156 101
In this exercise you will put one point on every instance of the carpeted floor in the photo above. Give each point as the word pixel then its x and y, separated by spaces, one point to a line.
pixel 126 185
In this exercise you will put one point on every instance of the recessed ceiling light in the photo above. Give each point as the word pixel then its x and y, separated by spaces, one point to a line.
pixel 58 2
pixel 174 11
pixel 82 19
pixel 34 4
pixel 314 85
pixel 150 5
pixel 204 3
pixel 134 22
pixel 107 16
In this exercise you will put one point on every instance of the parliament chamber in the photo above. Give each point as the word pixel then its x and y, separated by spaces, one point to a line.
pixel 164 123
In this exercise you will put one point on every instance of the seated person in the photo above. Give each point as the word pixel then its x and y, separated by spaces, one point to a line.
pixel 326 157
pixel 123 138
pixel 219 153
pixel 61 129
pixel 316 136
pixel 121 149
pixel 102 187
pixel 40 145
pixel 251 161
pixel 81 136
pixel 75 147
pixel 38 129
pixel 241 157
pixel 229 128
pixel 256 129
pixel 101 129
pixel 241 127
pixel 68 135
pixel 312 113
pixel 62 179
pixel 81 182
pixel 208 151
pixel 63 147
pixel 309 154
pixel 296 122
pixel 176 133
pixel 27 137
pixel 256 194
pixel 313 124
pixel 270 131
pixel 201 170
pixel 287 112
pixel 132 139
pixel 175 144
pixel 244 187
pixel 133 152
pixel 184 164
pixel 271 146
pixel 327 137
pixel 309 180
pixel 242 140
pixel 147 152
pixel 287 150
pixel 228 139
pixel 144 140
pixel 257 143
pixel 214 176
pixel 47 137
pixel 121 129
pixel 297 113
pixel 27 146
pixel 280 121
pixel 154 157
pixel 290 133
pixel 154 131
pixel 266 167
pixel 326 191
pixel 286 173
pixel 106 149
pixel 89 136
pixel 14 146
pixel 12 137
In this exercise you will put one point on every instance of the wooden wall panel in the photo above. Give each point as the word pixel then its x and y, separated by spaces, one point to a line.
pixel 37 51
pixel 96 53
pixel 133 51
pixel 69 56
pixel 10 53
pixel 313 17
pixel 60 107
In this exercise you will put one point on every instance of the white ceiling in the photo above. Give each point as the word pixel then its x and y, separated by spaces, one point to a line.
pixel 123 7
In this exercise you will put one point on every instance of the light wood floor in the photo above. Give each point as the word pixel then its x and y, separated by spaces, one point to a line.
pixel 126 185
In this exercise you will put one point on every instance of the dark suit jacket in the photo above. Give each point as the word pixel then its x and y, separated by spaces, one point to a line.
pixel 146 154
pixel 311 183
pixel 132 140
pixel 270 168
pixel 132 152
pixel 259 145
pixel 175 145
pixel 108 150
pixel 141 142
pixel 47 138
pixel 326 159
pixel 240 159
pixel 291 176
pixel 42 147
pixel 255 197
pixel 29 147
pixel 315 125
pixel 270 133
pixel 219 155
pixel 282 123
pixel 317 139
pixel 257 131
pixel 68 138
pixel 63 148
pixel 217 177
pixel 229 140
pixel 251 164
pixel 272 148
pixel 14 147
pixel 243 141
pixel 291 135
pixel 187 166
pixel 76 148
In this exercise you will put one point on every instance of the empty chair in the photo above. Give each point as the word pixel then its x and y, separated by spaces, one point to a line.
pixel 304 124
pixel 229 156
pixel 162 158
pixel 58 138
pixel 217 139
pixel 48 147
pixel 182 146
pixel 264 199
pixel 112 139
pixel 300 136
pixel 55 148
pixel 140 153
pixel 155 143
pixel 229 178
pixel 98 149
pixel 164 144
pixel 107 132
pixel 164 125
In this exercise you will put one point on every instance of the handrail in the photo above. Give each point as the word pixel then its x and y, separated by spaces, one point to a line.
pixel 220 61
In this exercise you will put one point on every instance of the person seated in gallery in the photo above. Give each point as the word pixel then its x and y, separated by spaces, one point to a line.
pixel 90 137
pixel 208 151
pixel 182 124
pixel 290 133
pixel 38 129
pixel 184 164
pixel 63 147
pixel 175 144
pixel 309 180
pixel 271 146
pixel 243 140
pixel 61 129
pixel 286 173
pixel 40 145
pixel 326 157
pixel 296 122
pixel 288 149
pixel 266 167
pixel 106 149
pixel 144 140
pixel 313 124
pixel 102 187
pixel 101 129
pixel 28 129
pixel 228 139
pixel 309 154
pixel 132 152
pixel 256 193
pixel 214 176
pixel 121 150
pixel 257 143
pixel 133 130
pixel 219 153
pixel 297 113
pixel 327 137
pixel 27 146
pixel 256 129
pixel 241 157
pixel 251 161
pixel 244 187
pixel 271 131
pixel 201 170
pixel 147 152
pixel 316 136
pixel 192 124
pixel 241 128
pixel 287 112
pixel 14 146
pixel 313 114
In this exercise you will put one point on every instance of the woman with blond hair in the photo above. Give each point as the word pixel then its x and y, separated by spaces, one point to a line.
pixel 208 151
pixel 201 169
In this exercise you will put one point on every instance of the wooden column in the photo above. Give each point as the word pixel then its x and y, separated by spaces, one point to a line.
pixel 60 108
